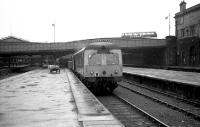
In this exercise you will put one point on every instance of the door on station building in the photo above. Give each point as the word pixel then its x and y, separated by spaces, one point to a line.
pixel 192 56
pixel 183 57
pixel 174 56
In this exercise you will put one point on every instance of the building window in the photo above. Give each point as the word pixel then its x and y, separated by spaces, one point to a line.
pixel 192 30
pixel 181 20
pixel 187 32
pixel 182 32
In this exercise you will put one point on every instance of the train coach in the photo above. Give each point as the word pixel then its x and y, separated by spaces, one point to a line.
pixel 99 66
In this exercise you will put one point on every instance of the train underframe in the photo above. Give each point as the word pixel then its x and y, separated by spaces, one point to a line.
pixel 100 85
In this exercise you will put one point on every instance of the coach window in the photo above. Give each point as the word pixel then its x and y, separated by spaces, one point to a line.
pixel 95 59
pixel 112 59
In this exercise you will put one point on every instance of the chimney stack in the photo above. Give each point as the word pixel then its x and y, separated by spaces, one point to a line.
pixel 182 6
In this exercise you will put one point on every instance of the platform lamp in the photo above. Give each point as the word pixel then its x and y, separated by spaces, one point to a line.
pixel 54 30
pixel 168 17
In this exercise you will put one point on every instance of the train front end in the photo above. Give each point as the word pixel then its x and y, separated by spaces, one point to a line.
pixel 103 66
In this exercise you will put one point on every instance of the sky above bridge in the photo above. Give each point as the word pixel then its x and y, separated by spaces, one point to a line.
pixel 86 19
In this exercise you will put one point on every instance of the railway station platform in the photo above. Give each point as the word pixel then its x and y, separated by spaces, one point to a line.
pixel 183 68
pixel 184 84
pixel 190 78
pixel 41 99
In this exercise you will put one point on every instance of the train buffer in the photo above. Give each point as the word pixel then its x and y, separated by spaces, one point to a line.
pixel 38 98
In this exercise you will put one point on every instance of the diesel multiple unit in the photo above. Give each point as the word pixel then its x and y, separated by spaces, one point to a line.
pixel 99 65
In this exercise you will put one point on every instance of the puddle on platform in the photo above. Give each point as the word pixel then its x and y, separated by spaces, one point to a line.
pixel 8 96
pixel 42 120
pixel 43 76
pixel 32 85
pixel 72 101
pixel 49 96
pixel 32 91
pixel 22 87
pixel 1 116
pixel 74 110
pixel 33 110
pixel 12 91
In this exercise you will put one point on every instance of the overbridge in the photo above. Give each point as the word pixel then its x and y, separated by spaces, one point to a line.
pixel 135 51
pixel 32 48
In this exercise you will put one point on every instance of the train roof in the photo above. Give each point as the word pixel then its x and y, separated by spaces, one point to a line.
pixel 98 45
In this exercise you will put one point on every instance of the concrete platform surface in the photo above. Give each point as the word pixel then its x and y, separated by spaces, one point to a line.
pixel 192 78
pixel 41 99
pixel 90 111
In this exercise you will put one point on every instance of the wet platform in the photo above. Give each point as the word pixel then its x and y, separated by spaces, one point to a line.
pixel 188 78
pixel 40 99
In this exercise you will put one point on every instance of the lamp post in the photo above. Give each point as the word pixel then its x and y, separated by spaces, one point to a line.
pixel 54 31
pixel 169 24
pixel 168 17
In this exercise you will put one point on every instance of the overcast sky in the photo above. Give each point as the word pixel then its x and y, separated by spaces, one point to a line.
pixel 85 19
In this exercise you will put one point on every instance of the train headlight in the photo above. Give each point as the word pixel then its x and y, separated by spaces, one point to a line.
pixel 116 72
pixel 92 73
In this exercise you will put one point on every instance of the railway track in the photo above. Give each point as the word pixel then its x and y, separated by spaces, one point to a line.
pixel 188 107
pixel 130 115
pixel 166 93
pixel 173 112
